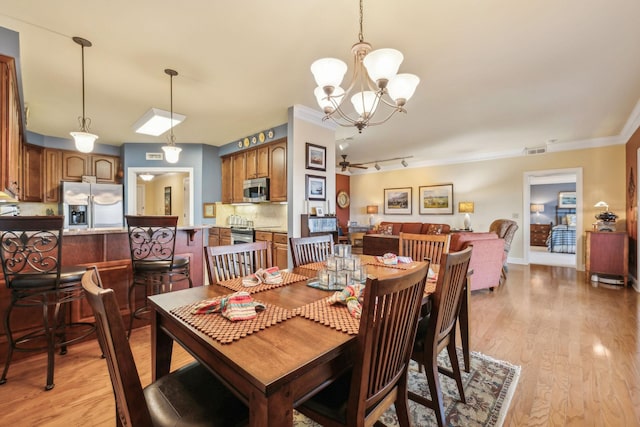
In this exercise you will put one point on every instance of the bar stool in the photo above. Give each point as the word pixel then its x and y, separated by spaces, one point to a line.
pixel 31 256
pixel 152 240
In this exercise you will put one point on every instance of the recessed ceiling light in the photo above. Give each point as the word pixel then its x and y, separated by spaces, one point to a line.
pixel 155 122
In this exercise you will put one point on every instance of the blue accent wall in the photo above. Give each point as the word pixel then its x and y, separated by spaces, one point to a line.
pixel 279 131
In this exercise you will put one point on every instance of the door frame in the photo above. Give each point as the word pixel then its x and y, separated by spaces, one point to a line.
pixel 553 175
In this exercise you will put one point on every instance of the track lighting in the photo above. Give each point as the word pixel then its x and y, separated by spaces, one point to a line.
pixel 404 163
pixel 377 166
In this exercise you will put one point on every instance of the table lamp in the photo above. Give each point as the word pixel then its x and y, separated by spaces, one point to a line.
pixel 466 208
pixel 372 210
pixel 537 208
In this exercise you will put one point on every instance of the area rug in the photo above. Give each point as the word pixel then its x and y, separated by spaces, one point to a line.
pixel 489 388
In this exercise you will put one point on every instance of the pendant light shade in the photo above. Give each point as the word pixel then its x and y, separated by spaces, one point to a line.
pixel 83 139
pixel 171 152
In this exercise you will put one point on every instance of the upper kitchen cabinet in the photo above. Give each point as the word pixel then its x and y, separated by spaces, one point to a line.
pixel 75 165
pixel 11 126
pixel 278 169
pixel 32 167
pixel 257 163
pixel 52 175
pixel 265 161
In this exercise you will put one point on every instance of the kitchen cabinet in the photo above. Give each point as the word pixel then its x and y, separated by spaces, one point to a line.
pixel 52 175
pixel 214 236
pixel 607 253
pixel 11 128
pixel 538 234
pixel 75 165
pixel 281 250
pixel 32 168
pixel 257 165
pixel 238 173
pixel 227 179
pixel 225 236
pixel 278 170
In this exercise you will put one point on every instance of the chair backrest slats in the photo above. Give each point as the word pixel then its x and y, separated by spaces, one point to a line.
pixel 152 237
pixel 387 331
pixel 424 246
pixel 233 261
pixel 305 250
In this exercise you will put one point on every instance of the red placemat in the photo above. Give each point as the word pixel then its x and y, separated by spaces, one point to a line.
pixel 335 316
pixel 287 279
pixel 224 330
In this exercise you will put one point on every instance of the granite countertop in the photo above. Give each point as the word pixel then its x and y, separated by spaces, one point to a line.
pixel 116 230
pixel 272 229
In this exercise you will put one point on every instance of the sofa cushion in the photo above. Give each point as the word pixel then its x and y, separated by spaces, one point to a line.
pixel 386 229
pixel 434 228
pixel 411 227
pixel 396 227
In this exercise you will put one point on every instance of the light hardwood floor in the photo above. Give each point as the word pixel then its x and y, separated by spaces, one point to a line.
pixel 577 344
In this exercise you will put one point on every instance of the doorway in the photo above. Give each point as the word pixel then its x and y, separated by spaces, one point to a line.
pixel 558 178
pixel 182 197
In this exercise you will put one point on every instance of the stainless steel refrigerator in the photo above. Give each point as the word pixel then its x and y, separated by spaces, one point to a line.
pixel 86 205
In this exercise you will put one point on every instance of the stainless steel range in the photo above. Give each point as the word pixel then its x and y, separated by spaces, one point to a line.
pixel 242 235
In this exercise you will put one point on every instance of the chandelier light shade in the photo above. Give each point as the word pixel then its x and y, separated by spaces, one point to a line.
pixel 171 152
pixel 84 139
pixel 375 81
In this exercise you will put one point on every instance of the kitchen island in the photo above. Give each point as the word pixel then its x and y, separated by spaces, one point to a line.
pixel 108 250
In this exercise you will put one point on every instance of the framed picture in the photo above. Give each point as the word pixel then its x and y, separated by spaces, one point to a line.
pixel 167 200
pixel 567 199
pixel 209 210
pixel 316 187
pixel 316 157
pixel 397 201
pixel 319 211
pixel 436 199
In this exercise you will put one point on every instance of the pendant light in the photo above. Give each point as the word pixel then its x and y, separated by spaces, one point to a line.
pixel 171 152
pixel 83 139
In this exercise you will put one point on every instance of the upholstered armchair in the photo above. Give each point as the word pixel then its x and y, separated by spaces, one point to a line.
pixel 505 229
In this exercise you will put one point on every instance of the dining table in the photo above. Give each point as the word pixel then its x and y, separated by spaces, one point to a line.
pixel 294 347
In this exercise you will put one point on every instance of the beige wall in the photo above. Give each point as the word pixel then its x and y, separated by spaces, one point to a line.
pixel 496 187
pixel 154 195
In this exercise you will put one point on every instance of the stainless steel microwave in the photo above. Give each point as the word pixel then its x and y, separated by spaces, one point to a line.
pixel 256 190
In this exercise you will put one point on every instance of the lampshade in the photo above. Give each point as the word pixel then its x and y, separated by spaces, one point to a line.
pixel 537 207
pixel 465 207
pixel 383 64
pixel 328 72
pixel 171 153
pixel 372 209
pixel 602 204
pixel 84 141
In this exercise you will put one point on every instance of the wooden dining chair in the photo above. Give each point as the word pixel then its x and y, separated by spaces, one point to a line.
pixel 424 246
pixel 239 260
pixel 305 250
pixel 438 330
pixel 378 378
pixel 189 396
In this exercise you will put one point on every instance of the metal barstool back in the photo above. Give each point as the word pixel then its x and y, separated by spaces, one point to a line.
pixel 152 241
pixel 31 256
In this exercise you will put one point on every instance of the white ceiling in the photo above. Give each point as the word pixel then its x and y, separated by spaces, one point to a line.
pixel 496 75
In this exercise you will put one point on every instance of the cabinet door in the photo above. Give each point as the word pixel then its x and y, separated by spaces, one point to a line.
pixel 74 165
pixel 278 168
pixel 11 127
pixel 262 162
pixel 52 175
pixel 239 162
pixel 32 167
pixel 251 164
pixel 105 168
pixel 227 179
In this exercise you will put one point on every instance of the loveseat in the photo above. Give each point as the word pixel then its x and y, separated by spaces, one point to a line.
pixel 385 237
pixel 487 257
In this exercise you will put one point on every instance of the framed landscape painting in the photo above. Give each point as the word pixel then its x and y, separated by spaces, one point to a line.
pixel 567 199
pixel 397 201
pixel 316 157
pixel 316 187
pixel 436 199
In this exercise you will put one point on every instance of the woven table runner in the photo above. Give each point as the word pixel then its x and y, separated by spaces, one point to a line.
pixel 224 330
pixel 287 279
pixel 335 316
pixel 316 266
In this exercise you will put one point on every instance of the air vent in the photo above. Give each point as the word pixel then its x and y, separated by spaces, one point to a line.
pixel 535 150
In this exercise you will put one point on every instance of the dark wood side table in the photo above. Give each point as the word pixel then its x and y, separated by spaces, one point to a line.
pixel 607 252
pixel 539 234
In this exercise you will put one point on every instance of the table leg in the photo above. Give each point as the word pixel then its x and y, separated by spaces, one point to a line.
pixel 464 325
pixel 161 349
pixel 275 410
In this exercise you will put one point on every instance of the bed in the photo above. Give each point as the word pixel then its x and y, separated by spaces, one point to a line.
pixel 562 239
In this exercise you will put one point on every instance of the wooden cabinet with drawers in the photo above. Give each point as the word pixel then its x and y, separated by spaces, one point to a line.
pixel 607 253
pixel 539 234
pixel 225 236
pixel 280 250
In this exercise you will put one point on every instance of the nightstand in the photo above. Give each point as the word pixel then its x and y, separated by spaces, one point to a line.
pixel 607 253
pixel 539 234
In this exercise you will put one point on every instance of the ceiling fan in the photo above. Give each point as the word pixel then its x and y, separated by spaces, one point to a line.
pixel 345 164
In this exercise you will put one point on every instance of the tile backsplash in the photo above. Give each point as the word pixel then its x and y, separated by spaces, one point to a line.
pixel 262 214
